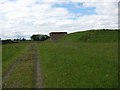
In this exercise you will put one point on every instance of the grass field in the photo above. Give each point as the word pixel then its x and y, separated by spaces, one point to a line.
pixel 79 60
pixel 86 60
pixel 79 65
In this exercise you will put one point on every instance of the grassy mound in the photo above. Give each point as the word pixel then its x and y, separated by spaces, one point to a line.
pixel 93 36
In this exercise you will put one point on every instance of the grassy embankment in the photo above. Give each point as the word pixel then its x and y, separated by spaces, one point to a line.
pixel 84 59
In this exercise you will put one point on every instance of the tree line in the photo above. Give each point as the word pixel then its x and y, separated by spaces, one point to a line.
pixel 39 37
pixel 34 37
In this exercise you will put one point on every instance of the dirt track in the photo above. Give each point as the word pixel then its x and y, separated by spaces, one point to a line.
pixel 38 69
pixel 31 55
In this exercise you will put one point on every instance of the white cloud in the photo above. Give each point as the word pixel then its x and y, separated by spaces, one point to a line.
pixel 26 17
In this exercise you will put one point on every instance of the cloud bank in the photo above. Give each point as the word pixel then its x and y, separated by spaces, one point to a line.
pixel 22 18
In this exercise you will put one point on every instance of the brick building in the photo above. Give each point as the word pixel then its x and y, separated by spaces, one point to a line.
pixel 57 35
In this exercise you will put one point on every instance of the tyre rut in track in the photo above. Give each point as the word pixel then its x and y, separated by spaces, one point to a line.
pixel 38 73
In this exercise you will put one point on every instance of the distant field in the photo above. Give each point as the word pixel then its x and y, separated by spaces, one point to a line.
pixel 86 59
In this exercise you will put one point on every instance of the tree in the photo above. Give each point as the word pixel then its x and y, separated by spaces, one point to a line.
pixel 39 37
pixel 23 39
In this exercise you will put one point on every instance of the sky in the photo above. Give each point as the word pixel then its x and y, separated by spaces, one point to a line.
pixel 23 18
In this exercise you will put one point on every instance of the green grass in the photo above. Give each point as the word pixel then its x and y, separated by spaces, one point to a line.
pixel 10 52
pixel 21 77
pixel 92 36
pixel 23 74
pixel 74 62
pixel 86 59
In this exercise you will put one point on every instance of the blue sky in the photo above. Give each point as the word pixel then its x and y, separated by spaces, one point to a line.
pixel 12 0
pixel 77 8
pixel 22 18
